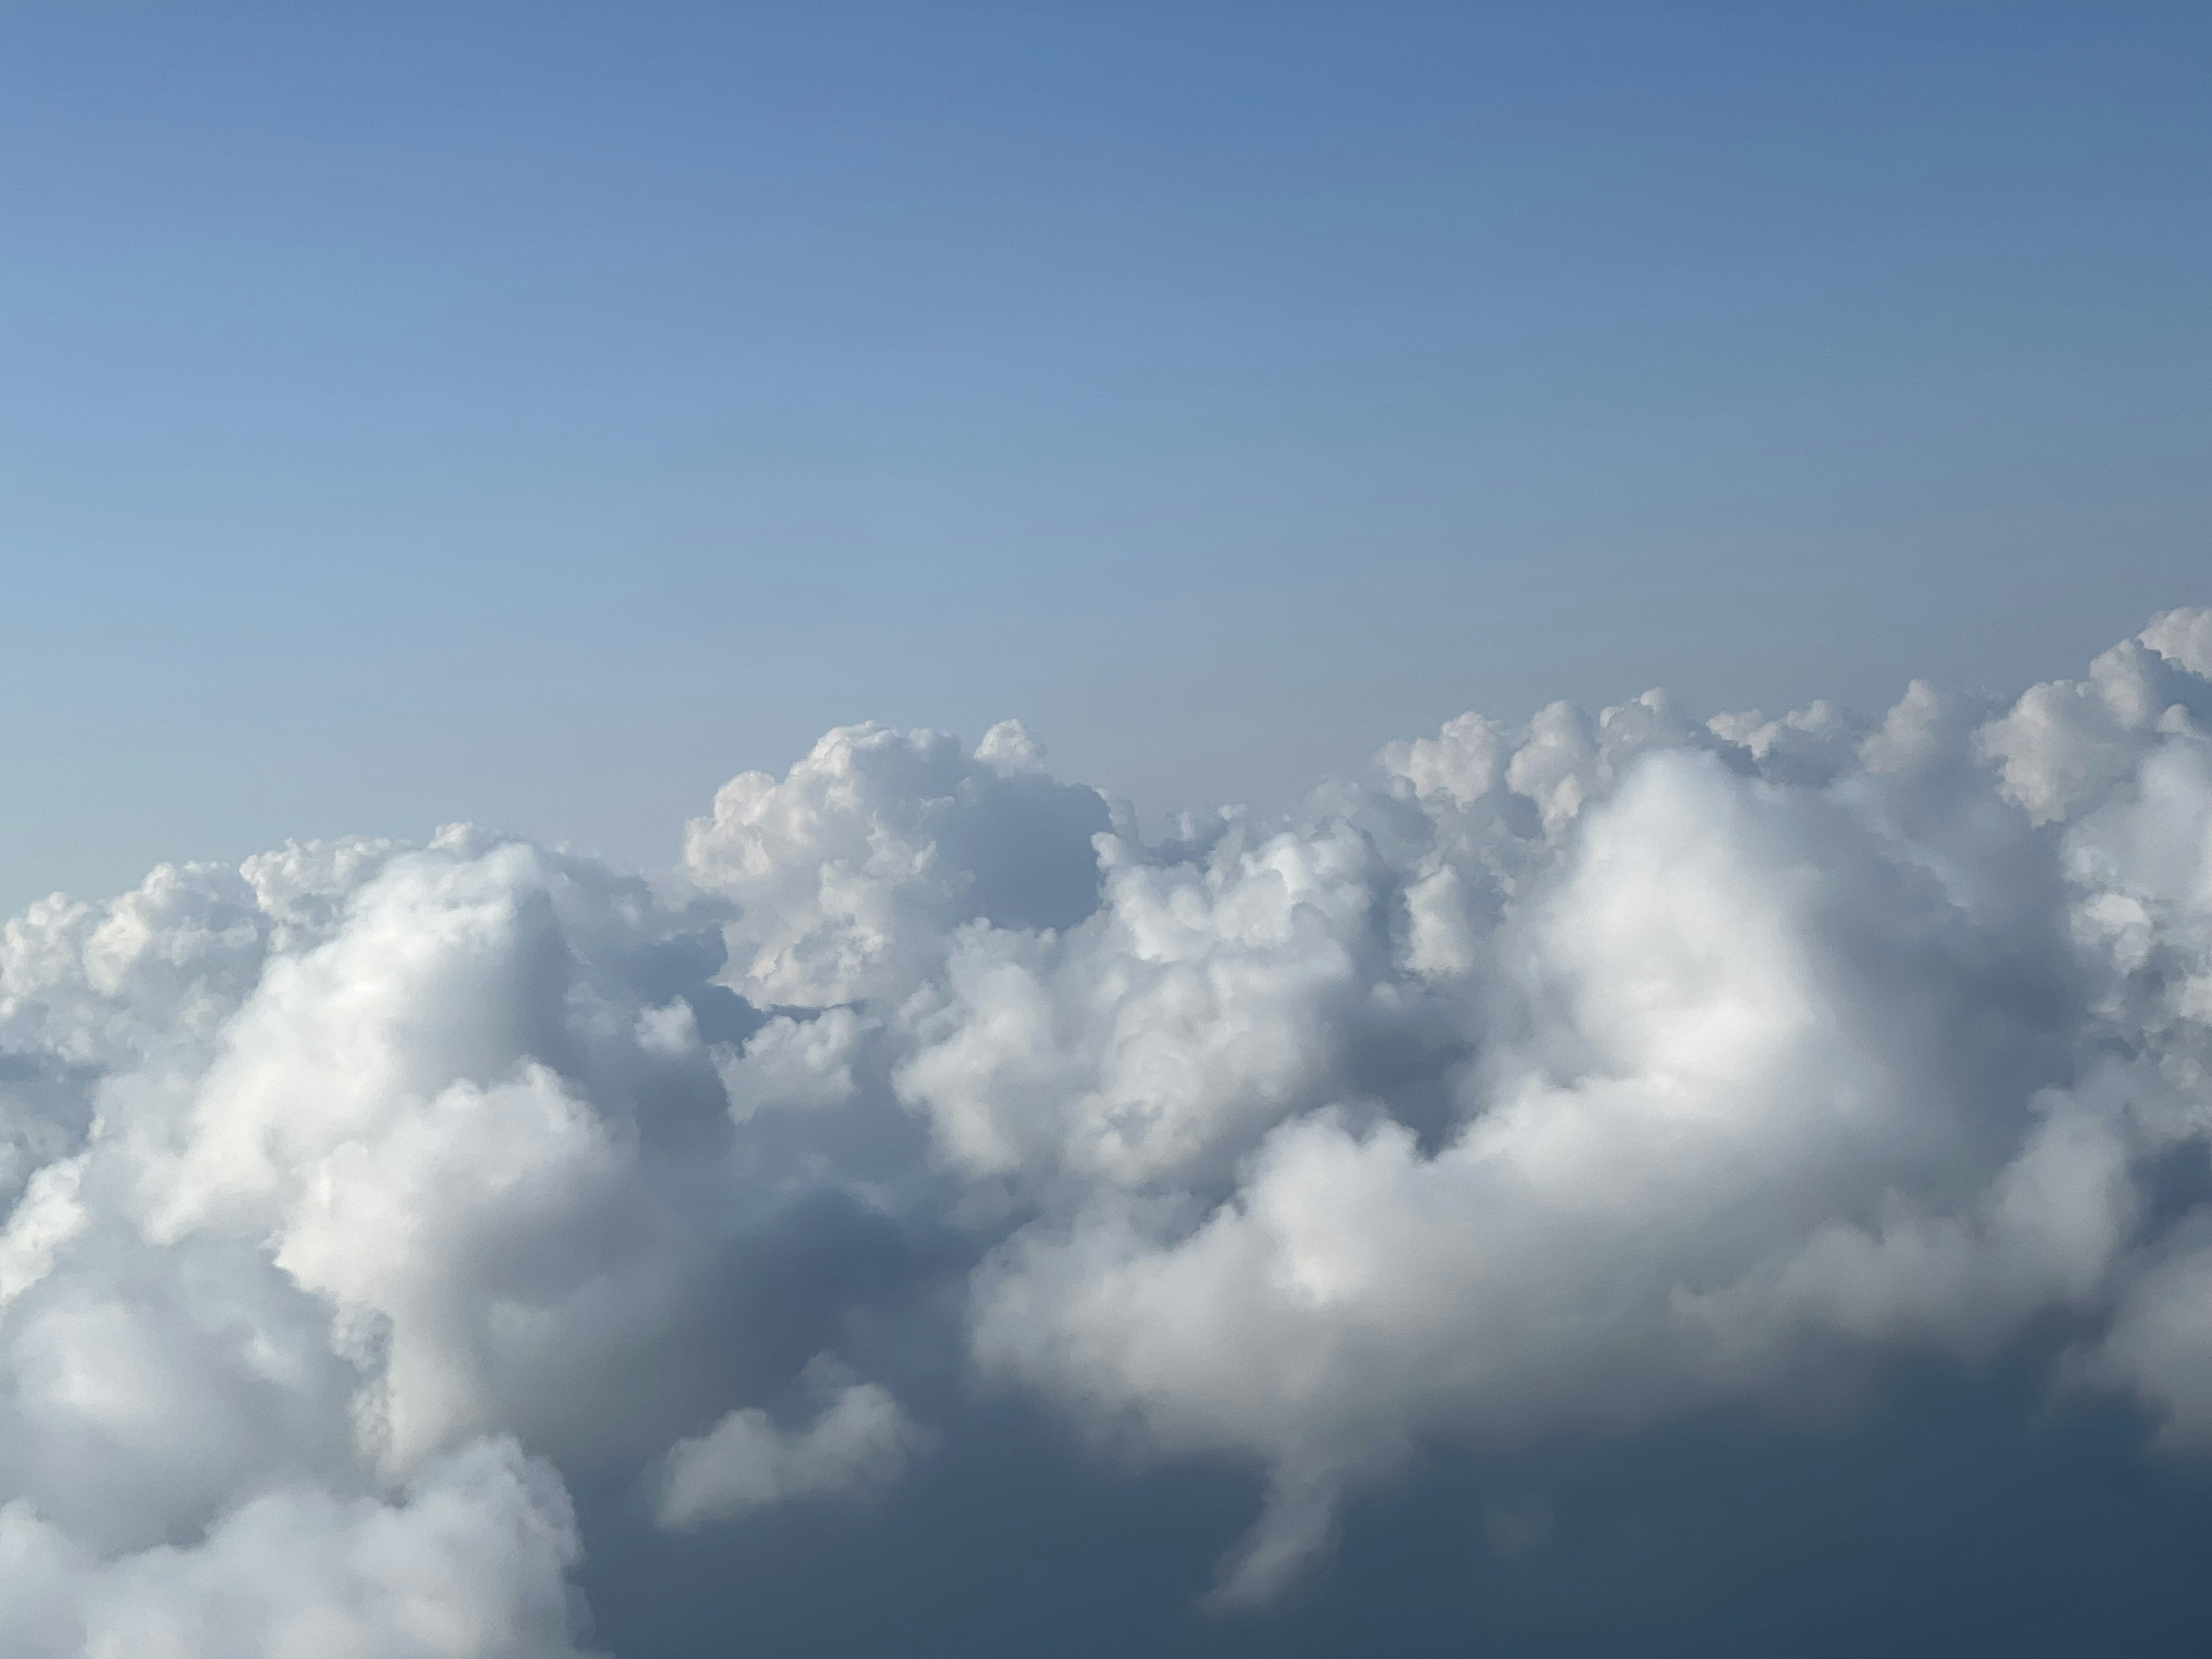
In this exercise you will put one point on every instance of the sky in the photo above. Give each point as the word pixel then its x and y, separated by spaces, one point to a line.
pixel 1200 830
pixel 534 414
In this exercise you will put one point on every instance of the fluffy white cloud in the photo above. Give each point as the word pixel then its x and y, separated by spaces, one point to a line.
pixel 850 870
pixel 467 1564
pixel 1718 1118
pixel 1202 1002
pixel 1754 1065
pixel 319 1181
pixel 357 1204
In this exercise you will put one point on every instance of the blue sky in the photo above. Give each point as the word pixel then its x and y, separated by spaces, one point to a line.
pixel 536 413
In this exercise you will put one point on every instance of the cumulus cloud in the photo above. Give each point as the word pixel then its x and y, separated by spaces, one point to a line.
pixel 467 1561
pixel 859 1441
pixel 379 1223
pixel 851 870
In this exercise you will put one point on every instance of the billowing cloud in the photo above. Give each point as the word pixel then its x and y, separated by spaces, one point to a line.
pixel 467 1560
pixel 380 1224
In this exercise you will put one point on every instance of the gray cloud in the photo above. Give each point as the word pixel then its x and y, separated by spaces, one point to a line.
pixel 860 1440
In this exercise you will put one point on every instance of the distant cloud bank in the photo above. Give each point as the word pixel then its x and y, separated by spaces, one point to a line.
pixel 368 1205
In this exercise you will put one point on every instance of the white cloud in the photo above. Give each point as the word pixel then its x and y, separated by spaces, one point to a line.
pixel 1579 1074
pixel 467 1564
pixel 850 870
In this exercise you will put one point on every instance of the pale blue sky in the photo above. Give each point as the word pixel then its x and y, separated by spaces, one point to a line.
pixel 536 413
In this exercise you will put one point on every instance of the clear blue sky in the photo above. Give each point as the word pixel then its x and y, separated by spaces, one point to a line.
pixel 536 413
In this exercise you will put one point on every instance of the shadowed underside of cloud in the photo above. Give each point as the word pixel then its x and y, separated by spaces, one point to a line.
pixel 1627 1180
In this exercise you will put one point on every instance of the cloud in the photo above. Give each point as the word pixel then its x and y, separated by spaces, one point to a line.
pixel 859 1441
pixel 851 870
pixel 468 1560
pixel 1718 1118
pixel 385 1228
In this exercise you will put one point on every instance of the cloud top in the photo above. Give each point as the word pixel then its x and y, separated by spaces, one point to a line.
pixel 360 1205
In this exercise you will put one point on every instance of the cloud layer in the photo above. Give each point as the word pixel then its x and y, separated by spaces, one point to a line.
pixel 370 1207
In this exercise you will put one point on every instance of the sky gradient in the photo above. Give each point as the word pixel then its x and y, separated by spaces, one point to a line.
pixel 534 414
